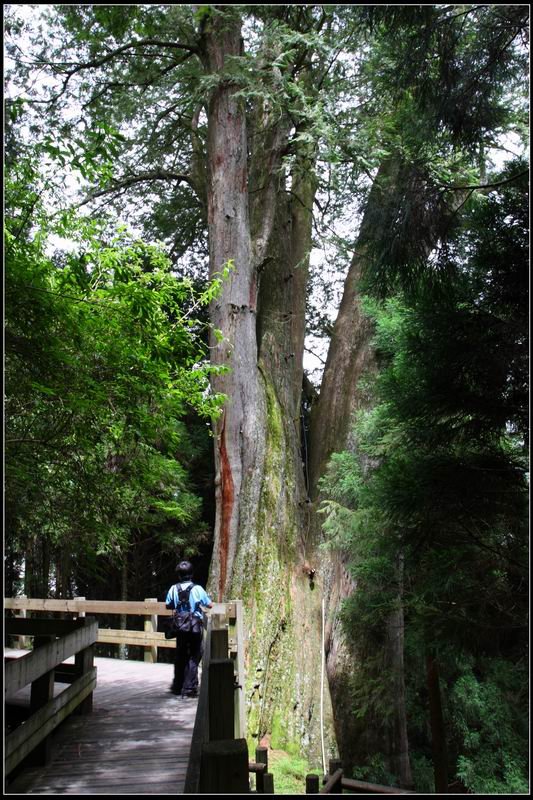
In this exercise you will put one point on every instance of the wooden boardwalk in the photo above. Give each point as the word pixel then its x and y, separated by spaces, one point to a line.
pixel 136 741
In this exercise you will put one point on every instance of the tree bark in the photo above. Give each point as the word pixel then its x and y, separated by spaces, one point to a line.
pixel 350 354
pixel 239 432
pixel 261 517
pixel 399 743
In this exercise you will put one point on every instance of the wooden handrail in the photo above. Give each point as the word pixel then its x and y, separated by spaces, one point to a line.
pixel 200 734
pixel 223 658
pixel 361 787
pixel 218 760
pixel 56 641
pixel 333 783
pixel 149 639
pixel 75 606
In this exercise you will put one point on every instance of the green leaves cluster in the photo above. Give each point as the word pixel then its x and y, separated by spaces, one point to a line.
pixel 105 361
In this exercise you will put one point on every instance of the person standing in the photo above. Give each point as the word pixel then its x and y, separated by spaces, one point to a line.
pixel 189 643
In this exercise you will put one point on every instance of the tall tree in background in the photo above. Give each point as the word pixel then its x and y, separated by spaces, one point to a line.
pixel 448 495
pixel 238 129
pixel 442 79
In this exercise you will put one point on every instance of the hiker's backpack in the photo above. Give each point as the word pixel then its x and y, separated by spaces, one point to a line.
pixel 183 620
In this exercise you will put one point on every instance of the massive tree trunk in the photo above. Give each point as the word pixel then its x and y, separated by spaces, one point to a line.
pixel 267 533
pixel 261 519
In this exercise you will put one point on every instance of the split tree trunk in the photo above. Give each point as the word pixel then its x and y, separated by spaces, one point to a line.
pixel 266 528
pixel 261 518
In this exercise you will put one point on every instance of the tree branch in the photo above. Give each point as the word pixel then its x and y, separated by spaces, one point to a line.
pixel 99 62
pixel 488 185
pixel 125 183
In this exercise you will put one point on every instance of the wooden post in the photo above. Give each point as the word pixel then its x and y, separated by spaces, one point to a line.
pixel 224 767
pixel 81 614
pixel 219 643
pixel 312 784
pixel 42 691
pixel 218 621
pixel 150 626
pixel 240 703
pixel 261 757
pixel 221 700
pixel 84 661
pixel 334 765
pixel 21 641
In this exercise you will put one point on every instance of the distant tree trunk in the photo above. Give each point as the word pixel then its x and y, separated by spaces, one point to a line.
pixel 438 732
pixel 37 568
pixel 63 567
pixel 29 569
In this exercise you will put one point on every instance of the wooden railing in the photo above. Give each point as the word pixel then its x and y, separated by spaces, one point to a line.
pixel 149 608
pixel 218 760
pixel 335 783
pixel 54 641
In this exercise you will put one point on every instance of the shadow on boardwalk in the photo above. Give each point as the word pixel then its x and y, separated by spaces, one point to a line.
pixel 136 741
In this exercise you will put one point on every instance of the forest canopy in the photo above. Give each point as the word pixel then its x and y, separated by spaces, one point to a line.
pixel 266 307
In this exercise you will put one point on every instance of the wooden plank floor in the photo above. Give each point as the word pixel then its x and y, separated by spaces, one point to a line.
pixel 136 741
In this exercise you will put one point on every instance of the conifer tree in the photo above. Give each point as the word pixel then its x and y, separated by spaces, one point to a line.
pixel 239 134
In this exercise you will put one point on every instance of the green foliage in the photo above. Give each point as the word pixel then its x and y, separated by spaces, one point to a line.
pixel 422 770
pixel 488 717
pixel 289 773
pixel 443 79
pixel 439 485
pixel 104 360
pixel 375 771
